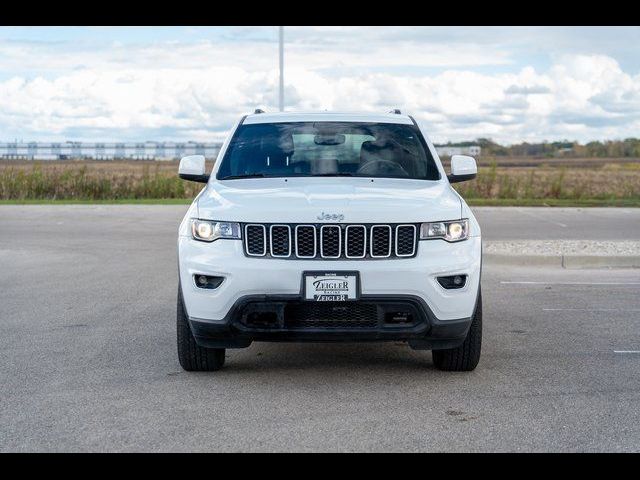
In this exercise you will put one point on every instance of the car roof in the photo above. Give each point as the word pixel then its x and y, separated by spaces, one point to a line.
pixel 280 117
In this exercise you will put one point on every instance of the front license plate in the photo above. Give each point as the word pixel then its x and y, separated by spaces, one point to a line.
pixel 331 287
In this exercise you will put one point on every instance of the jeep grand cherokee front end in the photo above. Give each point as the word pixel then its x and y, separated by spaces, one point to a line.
pixel 329 227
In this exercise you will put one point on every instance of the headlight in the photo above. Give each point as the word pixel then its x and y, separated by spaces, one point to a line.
pixel 450 231
pixel 207 231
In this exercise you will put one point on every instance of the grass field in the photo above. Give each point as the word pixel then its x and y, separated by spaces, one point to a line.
pixel 502 181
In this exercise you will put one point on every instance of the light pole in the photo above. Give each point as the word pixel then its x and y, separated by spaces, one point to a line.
pixel 281 41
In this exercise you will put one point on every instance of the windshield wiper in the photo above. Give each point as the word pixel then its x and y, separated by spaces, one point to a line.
pixel 248 175
pixel 262 175
pixel 339 174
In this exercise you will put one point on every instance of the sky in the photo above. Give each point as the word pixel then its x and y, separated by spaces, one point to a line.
pixel 510 84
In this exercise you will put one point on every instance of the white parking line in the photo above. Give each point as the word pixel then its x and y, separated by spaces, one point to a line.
pixel 570 283
pixel 626 351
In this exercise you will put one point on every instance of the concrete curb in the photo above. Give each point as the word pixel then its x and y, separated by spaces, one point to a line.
pixel 584 261
pixel 564 261
pixel 522 260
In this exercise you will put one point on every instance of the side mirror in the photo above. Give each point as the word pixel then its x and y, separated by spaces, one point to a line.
pixel 463 168
pixel 192 168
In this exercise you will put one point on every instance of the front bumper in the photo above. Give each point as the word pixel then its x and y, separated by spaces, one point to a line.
pixel 445 313
pixel 245 323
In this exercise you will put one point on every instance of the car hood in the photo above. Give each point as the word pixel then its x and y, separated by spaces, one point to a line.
pixel 316 200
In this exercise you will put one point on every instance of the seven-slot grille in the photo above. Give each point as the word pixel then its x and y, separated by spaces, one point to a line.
pixel 325 241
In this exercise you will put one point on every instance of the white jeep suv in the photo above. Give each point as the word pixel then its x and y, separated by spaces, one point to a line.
pixel 321 227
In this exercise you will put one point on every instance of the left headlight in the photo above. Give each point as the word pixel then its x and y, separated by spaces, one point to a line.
pixel 207 231
pixel 453 231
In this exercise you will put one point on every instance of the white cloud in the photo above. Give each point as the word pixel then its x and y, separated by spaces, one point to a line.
pixel 196 91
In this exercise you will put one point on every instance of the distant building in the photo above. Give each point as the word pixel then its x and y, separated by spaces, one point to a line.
pixel 106 151
pixel 144 150
pixel 564 151
pixel 447 150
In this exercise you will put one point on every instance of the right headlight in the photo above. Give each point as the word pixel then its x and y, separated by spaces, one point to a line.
pixel 208 231
pixel 453 231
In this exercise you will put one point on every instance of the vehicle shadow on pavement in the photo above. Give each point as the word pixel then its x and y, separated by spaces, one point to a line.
pixel 322 356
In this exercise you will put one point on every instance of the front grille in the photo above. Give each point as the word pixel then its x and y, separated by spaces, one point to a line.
pixel 326 242
pixel 305 241
pixel 330 241
pixel 280 236
pixel 255 239
pixel 380 241
pixel 356 240
pixel 405 240
pixel 367 314
pixel 331 315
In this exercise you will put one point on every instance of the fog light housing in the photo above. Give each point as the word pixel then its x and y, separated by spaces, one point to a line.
pixel 207 281
pixel 453 282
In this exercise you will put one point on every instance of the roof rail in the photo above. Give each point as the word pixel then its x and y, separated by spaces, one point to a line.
pixel 258 110
pixel 396 111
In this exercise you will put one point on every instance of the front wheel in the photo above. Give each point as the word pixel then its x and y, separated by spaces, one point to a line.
pixel 192 357
pixel 465 357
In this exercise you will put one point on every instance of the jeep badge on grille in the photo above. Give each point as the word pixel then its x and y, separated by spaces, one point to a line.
pixel 331 216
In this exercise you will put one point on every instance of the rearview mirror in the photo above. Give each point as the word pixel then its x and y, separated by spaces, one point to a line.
pixel 329 139
pixel 463 168
pixel 192 168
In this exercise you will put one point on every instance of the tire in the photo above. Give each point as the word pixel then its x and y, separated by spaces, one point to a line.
pixel 465 357
pixel 192 357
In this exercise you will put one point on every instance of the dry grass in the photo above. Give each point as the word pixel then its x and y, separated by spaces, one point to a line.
pixel 582 180
pixel 606 182
pixel 93 180
pixel 556 162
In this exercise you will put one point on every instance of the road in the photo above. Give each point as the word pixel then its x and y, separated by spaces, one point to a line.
pixel 536 223
pixel 87 329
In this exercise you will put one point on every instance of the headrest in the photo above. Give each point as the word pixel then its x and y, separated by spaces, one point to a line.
pixel 277 142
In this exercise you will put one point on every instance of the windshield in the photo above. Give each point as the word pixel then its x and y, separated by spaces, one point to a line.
pixel 311 149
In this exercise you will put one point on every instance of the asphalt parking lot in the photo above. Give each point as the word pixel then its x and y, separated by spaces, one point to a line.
pixel 87 336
